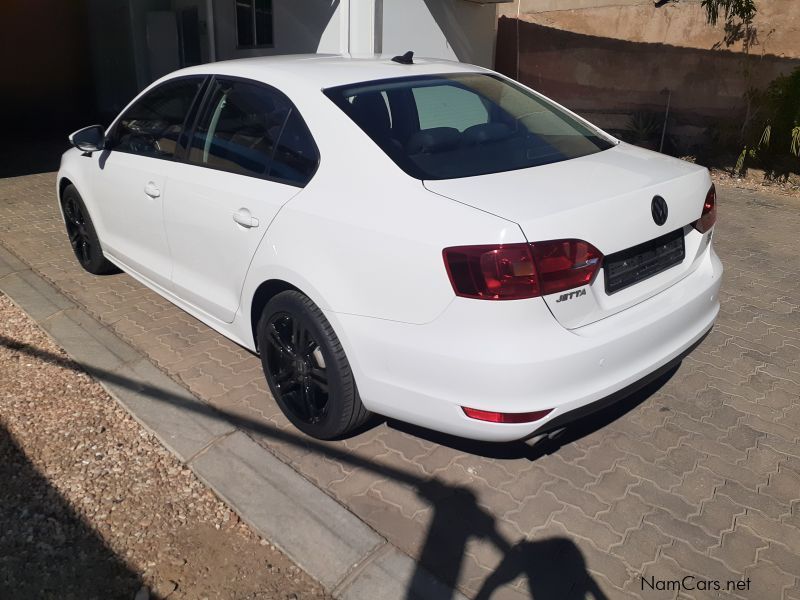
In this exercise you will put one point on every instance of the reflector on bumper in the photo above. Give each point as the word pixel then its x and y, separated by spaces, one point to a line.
pixel 498 417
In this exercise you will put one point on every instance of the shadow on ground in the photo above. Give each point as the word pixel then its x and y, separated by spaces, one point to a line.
pixel 547 444
pixel 553 568
pixel 46 549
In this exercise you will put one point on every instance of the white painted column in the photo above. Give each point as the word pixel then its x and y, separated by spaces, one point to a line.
pixel 358 27
pixel 344 26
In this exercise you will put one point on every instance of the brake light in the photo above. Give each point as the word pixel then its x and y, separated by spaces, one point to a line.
pixel 709 216
pixel 518 271
pixel 498 417
pixel 565 264
pixel 501 272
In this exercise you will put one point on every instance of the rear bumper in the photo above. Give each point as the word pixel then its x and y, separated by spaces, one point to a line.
pixel 514 357
pixel 564 418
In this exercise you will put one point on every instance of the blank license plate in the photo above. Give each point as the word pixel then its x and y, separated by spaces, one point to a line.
pixel 628 267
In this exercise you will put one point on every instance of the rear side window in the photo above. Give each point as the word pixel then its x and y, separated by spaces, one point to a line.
pixel 464 124
pixel 295 158
pixel 152 126
pixel 251 129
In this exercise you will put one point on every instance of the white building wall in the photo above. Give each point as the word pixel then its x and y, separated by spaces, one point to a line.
pixel 450 29
pixel 330 42
pixel 299 26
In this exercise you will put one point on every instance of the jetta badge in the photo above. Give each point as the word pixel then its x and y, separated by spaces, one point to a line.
pixel 571 295
pixel 659 210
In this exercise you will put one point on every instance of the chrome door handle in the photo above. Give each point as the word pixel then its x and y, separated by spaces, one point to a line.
pixel 151 189
pixel 244 218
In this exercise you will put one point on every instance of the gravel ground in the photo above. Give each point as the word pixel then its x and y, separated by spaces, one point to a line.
pixel 757 181
pixel 92 506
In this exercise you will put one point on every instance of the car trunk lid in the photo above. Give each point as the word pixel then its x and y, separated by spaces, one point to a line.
pixel 605 199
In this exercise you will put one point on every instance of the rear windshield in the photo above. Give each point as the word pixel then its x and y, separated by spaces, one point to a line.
pixel 459 125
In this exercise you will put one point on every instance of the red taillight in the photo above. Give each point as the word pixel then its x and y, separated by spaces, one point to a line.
pixel 709 216
pixel 498 417
pixel 501 272
pixel 517 271
pixel 565 264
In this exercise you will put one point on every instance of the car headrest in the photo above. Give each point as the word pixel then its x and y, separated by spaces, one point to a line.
pixel 435 139
pixel 486 132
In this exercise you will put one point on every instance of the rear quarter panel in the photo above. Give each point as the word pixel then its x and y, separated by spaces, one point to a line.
pixel 371 245
pixel 363 237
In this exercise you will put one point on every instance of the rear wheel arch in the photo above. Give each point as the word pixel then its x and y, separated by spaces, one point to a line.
pixel 263 294
pixel 306 368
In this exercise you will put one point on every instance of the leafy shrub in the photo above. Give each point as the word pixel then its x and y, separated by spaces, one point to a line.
pixel 644 128
pixel 775 132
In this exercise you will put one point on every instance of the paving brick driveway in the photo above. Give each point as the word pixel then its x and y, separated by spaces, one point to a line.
pixel 699 475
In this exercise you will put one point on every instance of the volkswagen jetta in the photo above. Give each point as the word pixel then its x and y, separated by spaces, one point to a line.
pixel 424 239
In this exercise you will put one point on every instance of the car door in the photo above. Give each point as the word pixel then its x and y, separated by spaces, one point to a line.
pixel 249 154
pixel 132 172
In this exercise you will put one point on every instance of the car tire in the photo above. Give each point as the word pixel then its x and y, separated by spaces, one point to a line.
pixel 306 368
pixel 82 234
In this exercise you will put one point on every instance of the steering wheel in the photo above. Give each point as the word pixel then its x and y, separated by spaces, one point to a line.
pixel 143 142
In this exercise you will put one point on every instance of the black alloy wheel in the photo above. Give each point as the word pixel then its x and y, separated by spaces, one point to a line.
pixel 297 367
pixel 306 368
pixel 76 230
pixel 82 234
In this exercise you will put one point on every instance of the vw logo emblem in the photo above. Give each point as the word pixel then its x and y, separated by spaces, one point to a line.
pixel 659 210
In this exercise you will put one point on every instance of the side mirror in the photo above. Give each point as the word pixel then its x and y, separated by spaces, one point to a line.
pixel 89 139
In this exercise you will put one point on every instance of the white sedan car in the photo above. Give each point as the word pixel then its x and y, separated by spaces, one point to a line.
pixel 427 240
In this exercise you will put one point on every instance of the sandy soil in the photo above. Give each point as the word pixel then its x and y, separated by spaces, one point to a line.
pixel 92 506
pixel 755 180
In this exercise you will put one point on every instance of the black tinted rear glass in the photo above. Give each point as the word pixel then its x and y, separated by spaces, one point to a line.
pixel 465 124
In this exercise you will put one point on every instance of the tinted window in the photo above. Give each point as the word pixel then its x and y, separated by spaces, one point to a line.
pixel 244 23
pixel 238 131
pixel 296 155
pixel 448 106
pixel 253 23
pixel 252 130
pixel 460 125
pixel 263 22
pixel 152 126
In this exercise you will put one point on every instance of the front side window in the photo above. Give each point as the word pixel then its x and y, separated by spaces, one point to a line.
pixel 152 126
pixel 250 129
pixel 253 23
pixel 465 124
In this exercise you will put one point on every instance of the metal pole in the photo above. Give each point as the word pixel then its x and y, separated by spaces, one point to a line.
pixel 666 118
pixel 212 38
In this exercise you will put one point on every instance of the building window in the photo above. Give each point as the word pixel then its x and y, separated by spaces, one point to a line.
pixel 253 23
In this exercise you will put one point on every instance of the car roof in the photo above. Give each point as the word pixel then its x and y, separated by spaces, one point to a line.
pixel 321 71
